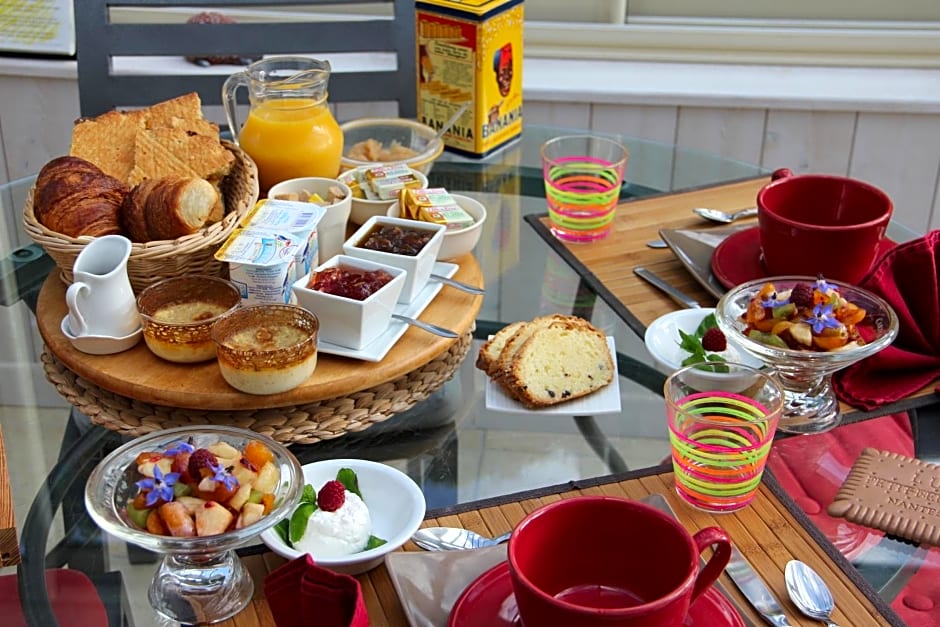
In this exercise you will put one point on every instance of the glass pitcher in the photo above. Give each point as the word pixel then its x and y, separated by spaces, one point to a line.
pixel 290 131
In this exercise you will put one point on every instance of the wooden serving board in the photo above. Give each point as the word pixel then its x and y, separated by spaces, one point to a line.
pixel 139 374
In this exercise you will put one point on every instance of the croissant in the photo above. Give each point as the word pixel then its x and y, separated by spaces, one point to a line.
pixel 74 197
pixel 167 208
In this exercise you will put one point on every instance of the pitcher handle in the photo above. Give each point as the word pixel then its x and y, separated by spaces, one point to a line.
pixel 77 324
pixel 719 559
pixel 230 101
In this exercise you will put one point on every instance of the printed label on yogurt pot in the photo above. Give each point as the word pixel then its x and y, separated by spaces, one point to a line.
pixel 261 263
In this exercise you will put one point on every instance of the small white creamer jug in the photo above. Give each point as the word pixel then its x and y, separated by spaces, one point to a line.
pixel 101 301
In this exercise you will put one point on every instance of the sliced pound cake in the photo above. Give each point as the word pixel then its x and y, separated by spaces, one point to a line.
pixel 489 352
pixel 522 334
pixel 564 360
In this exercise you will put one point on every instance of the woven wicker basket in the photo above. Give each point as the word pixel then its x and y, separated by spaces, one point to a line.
pixel 153 261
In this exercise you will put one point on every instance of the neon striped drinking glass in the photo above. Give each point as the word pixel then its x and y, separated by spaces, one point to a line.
pixel 583 175
pixel 722 419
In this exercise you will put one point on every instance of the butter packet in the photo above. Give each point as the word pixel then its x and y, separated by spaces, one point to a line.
pixel 434 205
pixel 387 181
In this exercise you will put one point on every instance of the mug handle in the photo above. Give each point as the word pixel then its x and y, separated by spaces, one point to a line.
pixel 781 173
pixel 75 314
pixel 716 564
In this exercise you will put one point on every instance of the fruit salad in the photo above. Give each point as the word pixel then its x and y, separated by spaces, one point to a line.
pixel 333 522
pixel 807 317
pixel 187 491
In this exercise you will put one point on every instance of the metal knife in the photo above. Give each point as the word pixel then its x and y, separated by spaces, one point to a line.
pixel 675 294
pixel 756 591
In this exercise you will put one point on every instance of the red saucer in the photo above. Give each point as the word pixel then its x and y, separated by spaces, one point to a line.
pixel 738 260
pixel 489 602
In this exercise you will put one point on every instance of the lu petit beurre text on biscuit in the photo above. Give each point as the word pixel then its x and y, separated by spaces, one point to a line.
pixel 894 493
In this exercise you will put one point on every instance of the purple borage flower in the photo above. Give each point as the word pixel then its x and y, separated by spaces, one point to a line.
pixel 179 447
pixel 774 300
pixel 823 318
pixel 225 477
pixel 824 286
pixel 160 486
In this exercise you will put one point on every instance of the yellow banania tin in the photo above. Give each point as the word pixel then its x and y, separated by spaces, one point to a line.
pixel 470 51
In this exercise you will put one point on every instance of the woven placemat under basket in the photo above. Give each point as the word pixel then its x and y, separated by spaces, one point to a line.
pixel 153 261
pixel 301 424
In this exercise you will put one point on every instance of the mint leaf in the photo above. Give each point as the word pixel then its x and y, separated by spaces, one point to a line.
pixel 298 521
pixel 707 322
pixel 689 343
pixel 309 494
pixel 373 543
pixel 283 529
pixel 347 477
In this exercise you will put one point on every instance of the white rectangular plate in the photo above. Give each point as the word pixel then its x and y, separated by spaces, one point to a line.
pixel 377 349
pixel 603 401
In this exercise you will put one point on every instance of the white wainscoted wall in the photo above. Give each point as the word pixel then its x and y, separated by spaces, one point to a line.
pixel 882 126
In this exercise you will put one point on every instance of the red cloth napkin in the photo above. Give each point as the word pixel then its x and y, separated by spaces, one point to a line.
pixel 908 278
pixel 301 593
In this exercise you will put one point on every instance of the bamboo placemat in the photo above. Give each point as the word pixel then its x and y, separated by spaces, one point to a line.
pixel 767 532
pixel 607 265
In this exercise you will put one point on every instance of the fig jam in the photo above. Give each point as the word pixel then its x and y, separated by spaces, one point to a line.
pixel 390 238
pixel 349 283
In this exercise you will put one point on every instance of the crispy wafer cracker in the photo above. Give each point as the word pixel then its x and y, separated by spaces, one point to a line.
pixel 108 142
pixel 153 160
pixel 897 494
pixel 204 155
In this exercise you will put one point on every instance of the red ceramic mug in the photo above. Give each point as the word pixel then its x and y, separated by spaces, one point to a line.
pixel 821 224
pixel 600 561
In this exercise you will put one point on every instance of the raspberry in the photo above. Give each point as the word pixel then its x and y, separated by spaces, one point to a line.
pixel 199 460
pixel 714 340
pixel 331 496
pixel 802 295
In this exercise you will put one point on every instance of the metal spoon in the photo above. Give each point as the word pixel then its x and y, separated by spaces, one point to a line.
pixel 464 287
pixel 724 217
pixel 430 328
pixel 454 539
pixel 809 592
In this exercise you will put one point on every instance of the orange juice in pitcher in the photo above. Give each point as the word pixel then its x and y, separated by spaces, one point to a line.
pixel 290 131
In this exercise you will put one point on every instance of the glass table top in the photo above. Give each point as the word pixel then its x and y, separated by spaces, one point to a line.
pixel 451 444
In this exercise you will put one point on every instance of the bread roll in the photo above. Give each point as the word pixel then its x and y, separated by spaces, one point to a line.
pixel 167 208
pixel 74 197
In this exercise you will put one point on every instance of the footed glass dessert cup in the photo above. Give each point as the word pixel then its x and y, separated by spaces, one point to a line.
pixel 200 580
pixel 806 373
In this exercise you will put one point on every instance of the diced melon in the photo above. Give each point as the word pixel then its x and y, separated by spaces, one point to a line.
pixel 268 477
pixel 191 503
pixel 240 497
pixel 226 453
pixel 802 333
pixel 244 474
pixel 251 513
pixel 212 518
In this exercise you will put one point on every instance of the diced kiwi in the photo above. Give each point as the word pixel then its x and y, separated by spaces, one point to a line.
pixel 782 312
pixel 138 516
pixel 181 489
pixel 767 338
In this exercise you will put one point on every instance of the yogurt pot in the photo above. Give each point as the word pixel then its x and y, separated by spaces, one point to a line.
pixel 297 218
pixel 262 263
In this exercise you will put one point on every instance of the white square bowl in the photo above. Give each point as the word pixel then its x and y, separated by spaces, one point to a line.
pixel 418 266
pixel 346 321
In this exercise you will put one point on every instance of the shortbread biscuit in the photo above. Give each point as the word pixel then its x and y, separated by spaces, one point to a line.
pixel 894 493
